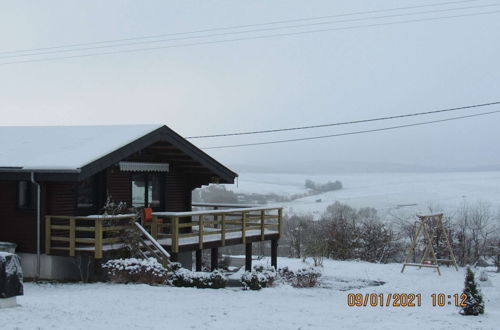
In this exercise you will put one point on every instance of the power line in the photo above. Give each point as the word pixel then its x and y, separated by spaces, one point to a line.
pixel 344 123
pixel 350 133
pixel 245 31
pixel 249 38
pixel 238 26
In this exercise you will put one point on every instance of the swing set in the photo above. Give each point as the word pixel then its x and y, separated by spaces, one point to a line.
pixel 429 227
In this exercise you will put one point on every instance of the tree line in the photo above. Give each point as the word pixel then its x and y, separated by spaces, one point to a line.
pixel 347 233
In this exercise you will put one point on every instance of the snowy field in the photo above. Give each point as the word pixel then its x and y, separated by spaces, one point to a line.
pixel 117 306
pixel 403 192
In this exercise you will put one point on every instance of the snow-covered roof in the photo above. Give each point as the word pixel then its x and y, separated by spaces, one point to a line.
pixel 63 147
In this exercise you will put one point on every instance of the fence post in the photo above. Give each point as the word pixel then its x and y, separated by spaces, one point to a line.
pixel 223 230
pixel 243 225
pixel 262 217
pixel 175 234
pixel 154 226
pixel 216 218
pixel 47 234
pixel 72 236
pixel 98 239
pixel 280 221
pixel 200 231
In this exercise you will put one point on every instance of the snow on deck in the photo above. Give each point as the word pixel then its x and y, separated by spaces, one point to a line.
pixel 120 306
pixel 215 237
pixel 63 147
pixel 212 237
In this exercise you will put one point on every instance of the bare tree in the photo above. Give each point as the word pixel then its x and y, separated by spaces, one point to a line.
pixel 315 242
pixel 294 233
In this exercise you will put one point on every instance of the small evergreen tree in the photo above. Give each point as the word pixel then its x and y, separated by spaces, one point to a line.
pixel 474 305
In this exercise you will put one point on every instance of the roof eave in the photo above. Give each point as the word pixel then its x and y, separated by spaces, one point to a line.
pixel 162 134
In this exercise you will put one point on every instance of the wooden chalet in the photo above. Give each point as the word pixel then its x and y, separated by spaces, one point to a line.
pixel 55 181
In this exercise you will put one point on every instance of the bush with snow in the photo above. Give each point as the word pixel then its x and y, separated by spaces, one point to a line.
pixel 182 277
pixel 133 270
pixel 474 305
pixel 258 278
pixel 303 278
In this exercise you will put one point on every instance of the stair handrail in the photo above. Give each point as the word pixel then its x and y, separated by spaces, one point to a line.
pixel 150 238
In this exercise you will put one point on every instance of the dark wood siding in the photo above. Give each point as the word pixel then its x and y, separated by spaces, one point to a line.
pixel 119 186
pixel 60 199
pixel 177 192
pixel 16 225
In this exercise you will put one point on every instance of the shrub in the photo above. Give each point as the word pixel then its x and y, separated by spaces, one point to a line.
pixel 132 270
pixel 258 278
pixel 303 278
pixel 474 305
pixel 306 278
pixel 182 277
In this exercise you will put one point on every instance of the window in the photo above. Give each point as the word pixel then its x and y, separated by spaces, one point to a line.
pixel 86 194
pixel 24 195
pixel 154 191
pixel 147 190
pixel 139 190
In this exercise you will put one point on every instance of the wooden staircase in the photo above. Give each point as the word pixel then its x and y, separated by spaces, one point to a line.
pixel 143 245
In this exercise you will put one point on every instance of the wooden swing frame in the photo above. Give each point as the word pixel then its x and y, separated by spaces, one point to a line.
pixel 429 253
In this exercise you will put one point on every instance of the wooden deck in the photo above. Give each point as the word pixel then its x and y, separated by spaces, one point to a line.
pixel 174 231
pixel 189 231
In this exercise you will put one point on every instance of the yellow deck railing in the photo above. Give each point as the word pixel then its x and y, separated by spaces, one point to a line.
pixel 99 233
pixel 90 233
pixel 205 224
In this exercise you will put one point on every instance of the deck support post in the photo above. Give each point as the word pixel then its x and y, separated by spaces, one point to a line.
pixel 274 253
pixel 48 234
pixel 199 256
pixel 174 256
pixel 248 257
pixel 214 258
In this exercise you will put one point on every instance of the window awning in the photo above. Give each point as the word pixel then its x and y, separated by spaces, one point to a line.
pixel 143 167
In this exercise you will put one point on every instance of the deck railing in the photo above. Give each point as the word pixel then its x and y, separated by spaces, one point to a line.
pixel 89 233
pixel 99 233
pixel 203 224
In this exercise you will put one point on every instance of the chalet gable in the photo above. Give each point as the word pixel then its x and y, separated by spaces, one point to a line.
pixel 73 153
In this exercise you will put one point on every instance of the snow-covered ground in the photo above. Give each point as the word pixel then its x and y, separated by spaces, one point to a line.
pixel 117 306
pixel 409 192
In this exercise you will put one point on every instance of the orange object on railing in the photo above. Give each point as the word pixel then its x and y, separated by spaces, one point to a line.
pixel 147 214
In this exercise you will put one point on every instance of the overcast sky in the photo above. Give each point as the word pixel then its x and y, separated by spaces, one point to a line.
pixel 305 79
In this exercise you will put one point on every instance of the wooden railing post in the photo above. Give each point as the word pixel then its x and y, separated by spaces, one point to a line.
pixel 200 231
pixel 243 226
pixel 262 217
pixel 280 221
pixel 175 234
pixel 72 236
pixel 48 234
pixel 154 226
pixel 216 218
pixel 98 239
pixel 223 229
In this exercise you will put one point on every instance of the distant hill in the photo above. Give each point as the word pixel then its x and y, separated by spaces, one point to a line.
pixel 322 167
